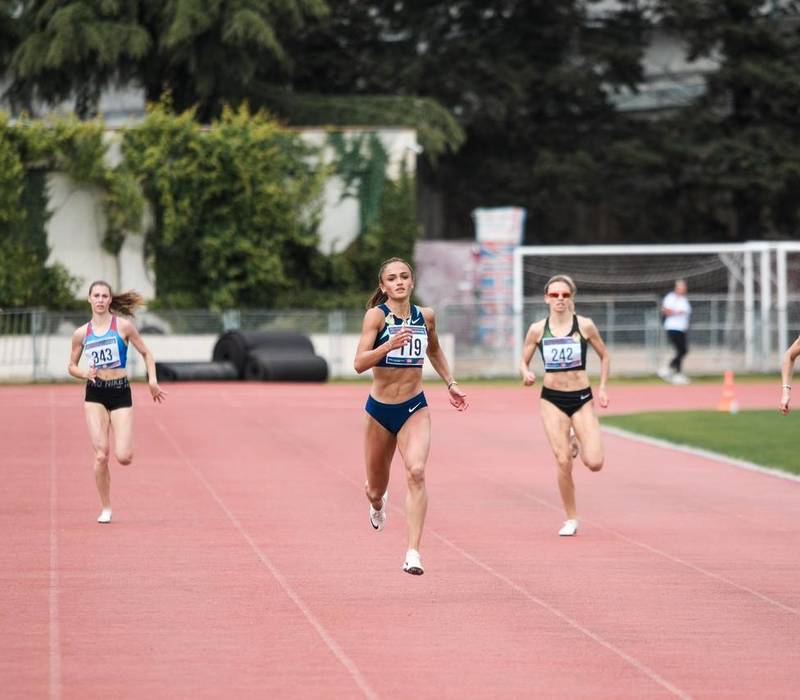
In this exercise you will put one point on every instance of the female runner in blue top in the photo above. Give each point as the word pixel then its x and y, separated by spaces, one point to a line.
pixel 108 403
pixel 567 405
pixel 395 338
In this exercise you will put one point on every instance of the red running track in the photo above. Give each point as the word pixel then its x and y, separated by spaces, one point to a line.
pixel 240 562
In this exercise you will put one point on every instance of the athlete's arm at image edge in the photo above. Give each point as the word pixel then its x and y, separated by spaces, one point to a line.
pixel 787 365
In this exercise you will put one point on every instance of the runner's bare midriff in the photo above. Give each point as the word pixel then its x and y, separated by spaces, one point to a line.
pixel 574 380
pixel 107 374
pixel 395 385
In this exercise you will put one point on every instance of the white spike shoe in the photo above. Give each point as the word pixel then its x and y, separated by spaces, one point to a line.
pixel 377 518
pixel 569 529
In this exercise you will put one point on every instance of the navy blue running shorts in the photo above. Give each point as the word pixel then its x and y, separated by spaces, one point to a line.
pixel 393 416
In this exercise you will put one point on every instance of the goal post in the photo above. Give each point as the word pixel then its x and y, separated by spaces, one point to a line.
pixel 746 293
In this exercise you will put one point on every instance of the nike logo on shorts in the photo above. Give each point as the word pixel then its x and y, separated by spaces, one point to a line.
pixel 585 397
pixel 414 408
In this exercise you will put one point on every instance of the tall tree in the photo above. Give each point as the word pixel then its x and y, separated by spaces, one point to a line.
pixel 74 48
pixel 741 140
pixel 8 29
pixel 528 80
pixel 204 51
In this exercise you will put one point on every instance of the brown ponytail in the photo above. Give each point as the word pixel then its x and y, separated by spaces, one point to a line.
pixel 125 303
pixel 379 296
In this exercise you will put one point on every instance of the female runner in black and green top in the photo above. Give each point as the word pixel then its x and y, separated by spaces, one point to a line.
pixel 567 402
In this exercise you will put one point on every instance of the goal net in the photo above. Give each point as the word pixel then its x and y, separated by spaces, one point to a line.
pixel 744 299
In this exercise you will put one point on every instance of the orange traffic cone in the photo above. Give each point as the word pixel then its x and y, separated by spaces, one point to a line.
pixel 728 402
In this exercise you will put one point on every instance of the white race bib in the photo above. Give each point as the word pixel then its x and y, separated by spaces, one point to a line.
pixel 562 353
pixel 412 354
pixel 102 353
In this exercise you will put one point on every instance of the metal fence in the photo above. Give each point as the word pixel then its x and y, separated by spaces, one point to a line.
pixel 34 343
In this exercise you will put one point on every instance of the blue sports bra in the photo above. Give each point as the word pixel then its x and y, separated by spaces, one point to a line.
pixel 412 354
pixel 107 351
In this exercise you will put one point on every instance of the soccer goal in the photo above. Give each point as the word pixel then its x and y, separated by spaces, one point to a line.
pixel 745 299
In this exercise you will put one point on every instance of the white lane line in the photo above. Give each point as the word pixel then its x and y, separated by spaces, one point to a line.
pixel 698 452
pixel 705 572
pixel 326 637
pixel 638 665
pixel 633 661
pixel 707 455
pixel 54 637
pixel 654 550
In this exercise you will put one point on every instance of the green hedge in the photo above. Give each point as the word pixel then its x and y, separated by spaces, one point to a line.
pixel 236 207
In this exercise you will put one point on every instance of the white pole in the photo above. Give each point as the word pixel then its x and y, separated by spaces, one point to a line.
pixel 748 309
pixel 518 307
pixel 783 321
pixel 637 249
pixel 766 311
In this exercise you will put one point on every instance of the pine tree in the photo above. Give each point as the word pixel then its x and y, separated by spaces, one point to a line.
pixel 740 149
pixel 528 81
pixel 204 51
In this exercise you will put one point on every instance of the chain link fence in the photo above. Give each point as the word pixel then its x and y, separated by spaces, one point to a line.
pixel 35 343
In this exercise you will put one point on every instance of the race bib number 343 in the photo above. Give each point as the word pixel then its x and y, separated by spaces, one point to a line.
pixel 412 354
pixel 102 353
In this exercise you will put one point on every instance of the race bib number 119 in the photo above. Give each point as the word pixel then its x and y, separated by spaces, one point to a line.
pixel 412 354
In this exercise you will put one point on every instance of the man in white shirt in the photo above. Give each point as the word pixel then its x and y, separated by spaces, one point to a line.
pixel 676 311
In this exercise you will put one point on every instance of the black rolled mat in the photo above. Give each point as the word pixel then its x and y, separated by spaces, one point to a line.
pixel 264 364
pixel 195 371
pixel 235 346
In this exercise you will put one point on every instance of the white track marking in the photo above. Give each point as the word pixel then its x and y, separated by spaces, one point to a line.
pixel 54 637
pixel 698 452
pixel 635 663
pixel 638 665
pixel 326 637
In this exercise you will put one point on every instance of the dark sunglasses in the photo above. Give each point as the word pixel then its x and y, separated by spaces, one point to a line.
pixel 559 295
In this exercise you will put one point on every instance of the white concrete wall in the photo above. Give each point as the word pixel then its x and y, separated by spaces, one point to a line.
pixel 75 233
pixel 77 225
pixel 340 220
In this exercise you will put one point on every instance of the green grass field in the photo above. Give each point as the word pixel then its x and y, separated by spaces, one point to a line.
pixel 761 437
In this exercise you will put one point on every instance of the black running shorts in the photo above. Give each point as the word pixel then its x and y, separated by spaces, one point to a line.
pixel 112 393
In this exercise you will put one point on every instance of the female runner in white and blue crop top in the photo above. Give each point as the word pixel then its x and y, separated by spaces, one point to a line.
pixel 567 403
pixel 395 338
pixel 103 342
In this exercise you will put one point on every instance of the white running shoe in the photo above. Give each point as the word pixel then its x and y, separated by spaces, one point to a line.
pixel 665 373
pixel 105 516
pixel 377 518
pixel 574 444
pixel 680 378
pixel 569 528
pixel 413 564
